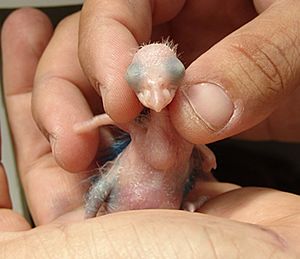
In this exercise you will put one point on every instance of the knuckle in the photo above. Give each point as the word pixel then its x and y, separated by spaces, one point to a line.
pixel 266 64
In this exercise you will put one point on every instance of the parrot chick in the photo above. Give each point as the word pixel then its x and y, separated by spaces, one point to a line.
pixel 158 167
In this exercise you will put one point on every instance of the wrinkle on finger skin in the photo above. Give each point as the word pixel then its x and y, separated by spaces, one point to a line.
pixel 269 61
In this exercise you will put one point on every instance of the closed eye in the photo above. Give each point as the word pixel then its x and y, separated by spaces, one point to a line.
pixel 134 76
pixel 175 69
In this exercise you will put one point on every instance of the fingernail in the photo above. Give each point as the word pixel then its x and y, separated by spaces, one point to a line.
pixel 211 104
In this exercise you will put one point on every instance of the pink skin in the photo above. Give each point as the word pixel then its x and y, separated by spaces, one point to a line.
pixel 156 86
pixel 153 170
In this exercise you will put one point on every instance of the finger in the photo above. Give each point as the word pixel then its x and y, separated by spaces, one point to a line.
pixel 22 45
pixel 153 234
pixel 253 205
pixel 50 191
pixel 62 97
pixel 242 79
pixel 109 33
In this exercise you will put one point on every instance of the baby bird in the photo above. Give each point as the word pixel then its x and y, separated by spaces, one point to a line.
pixel 157 168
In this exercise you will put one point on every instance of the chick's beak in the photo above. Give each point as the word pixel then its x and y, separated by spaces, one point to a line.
pixel 156 99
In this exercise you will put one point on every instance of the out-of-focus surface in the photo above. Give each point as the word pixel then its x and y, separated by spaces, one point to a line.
pixel 56 14
pixel 37 3
pixel 266 164
pixel 9 162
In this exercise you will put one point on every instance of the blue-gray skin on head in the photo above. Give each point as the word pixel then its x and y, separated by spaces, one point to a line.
pixel 155 74
pixel 175 69
pixel 134 76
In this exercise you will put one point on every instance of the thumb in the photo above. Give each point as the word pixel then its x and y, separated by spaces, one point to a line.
pixel 242 79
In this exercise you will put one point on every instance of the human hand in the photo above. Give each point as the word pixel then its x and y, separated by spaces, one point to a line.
pixel 251 65
pixel 53 194
pixel 257 65
pixel 55 199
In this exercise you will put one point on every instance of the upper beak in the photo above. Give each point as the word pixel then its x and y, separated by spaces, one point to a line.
pixel 156 99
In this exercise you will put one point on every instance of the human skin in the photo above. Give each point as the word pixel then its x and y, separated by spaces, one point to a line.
pixel 257 65
pixel 244 222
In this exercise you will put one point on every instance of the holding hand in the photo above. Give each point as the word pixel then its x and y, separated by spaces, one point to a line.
pixel 54 196
pixel 244 83
pixel 232 83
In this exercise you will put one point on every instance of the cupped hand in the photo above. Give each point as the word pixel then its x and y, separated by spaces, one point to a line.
pixel 242 222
